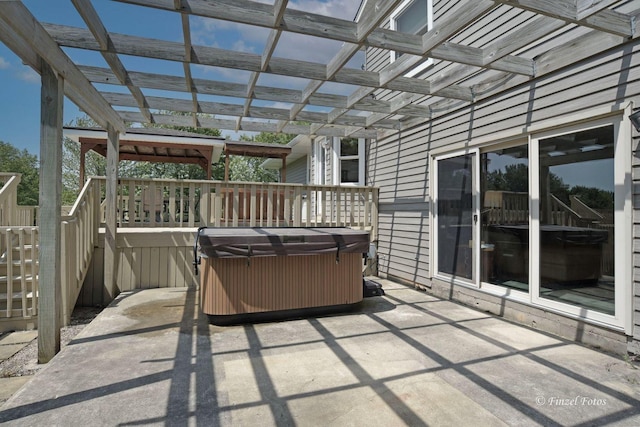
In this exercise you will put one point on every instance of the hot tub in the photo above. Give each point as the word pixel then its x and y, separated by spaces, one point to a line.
pixel 248 273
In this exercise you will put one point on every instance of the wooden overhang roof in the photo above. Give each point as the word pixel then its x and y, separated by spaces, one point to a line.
pixel 153 145
pixel 252 149
pixel 535 39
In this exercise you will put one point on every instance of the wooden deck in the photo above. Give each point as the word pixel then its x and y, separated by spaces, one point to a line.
pixel 157 221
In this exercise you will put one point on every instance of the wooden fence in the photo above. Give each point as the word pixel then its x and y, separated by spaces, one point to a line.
pixel 11 213
pixel 19 268
pixel 9 198
pixel 189 203
pixel 79 238
pixel 18 272
pixel 158 204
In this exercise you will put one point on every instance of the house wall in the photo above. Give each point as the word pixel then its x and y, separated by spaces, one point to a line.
pixel 328 161
pixel 399 165
pixel 297 171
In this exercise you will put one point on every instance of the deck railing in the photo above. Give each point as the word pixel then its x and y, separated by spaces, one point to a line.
pixel 79 236
pixel 8 198
pixel 10 212
pixel 18 272
pixel 162 203
pixel 193 203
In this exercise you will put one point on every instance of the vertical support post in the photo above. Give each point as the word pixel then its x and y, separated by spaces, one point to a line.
pixel 83 157
pixel 283 174
pixel 110 247
pixel 209 165
pixel 50 301
pixel 226 166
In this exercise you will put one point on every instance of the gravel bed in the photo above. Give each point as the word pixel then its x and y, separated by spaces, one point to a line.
pixel 25 362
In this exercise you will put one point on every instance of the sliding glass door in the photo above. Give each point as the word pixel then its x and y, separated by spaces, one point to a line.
pixel 546 221
pixel 456 216
pixel 576 233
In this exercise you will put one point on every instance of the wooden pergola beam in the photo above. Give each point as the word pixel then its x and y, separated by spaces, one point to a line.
pixel 29 40
pixel 250 126
pixel 95 25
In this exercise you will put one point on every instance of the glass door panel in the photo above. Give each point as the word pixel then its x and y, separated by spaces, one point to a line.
pixel 456 216
pixel 576 257
pixel 504 240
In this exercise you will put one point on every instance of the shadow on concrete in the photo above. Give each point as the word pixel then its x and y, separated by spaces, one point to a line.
pixel 298 372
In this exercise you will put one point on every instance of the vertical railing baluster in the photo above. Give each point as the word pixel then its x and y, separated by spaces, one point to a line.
pixel 192 204
pixel 217 205
pixel 9 237
pixel 270 206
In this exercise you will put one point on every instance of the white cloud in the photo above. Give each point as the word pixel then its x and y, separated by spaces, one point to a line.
pixel 242 46
pixel 223 34
pixel 27 74
pixel 221 74
pixel 249 38
pixel 4 64
pixel 280 105
pixel 334 8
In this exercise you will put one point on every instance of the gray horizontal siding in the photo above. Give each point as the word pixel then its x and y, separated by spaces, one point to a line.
pixel 297 172
pixel 399 167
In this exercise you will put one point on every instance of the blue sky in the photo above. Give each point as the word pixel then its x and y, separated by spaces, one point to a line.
pixel 20 85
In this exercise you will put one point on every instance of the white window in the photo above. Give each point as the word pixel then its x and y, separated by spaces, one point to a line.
pixel 412 17
pixel 348 161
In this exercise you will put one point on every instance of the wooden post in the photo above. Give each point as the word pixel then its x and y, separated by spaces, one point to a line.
pixel 226 166
pixel 83 158
pixel 283 175
pixel 110 248
pixel 49 309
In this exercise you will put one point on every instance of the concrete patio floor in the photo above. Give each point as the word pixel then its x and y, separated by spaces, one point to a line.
pixel 404 359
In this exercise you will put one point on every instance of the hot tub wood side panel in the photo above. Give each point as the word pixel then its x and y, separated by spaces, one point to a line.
pixel 230 286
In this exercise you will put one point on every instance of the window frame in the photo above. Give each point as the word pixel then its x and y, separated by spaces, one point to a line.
pixel 623 213
pixel 337 158
pixel 392 25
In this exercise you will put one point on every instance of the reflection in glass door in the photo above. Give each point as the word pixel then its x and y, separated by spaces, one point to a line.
pixel 504 242
pixel 456 216
pixel 576 255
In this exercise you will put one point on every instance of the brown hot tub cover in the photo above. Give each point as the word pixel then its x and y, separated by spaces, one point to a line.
pixel 279 241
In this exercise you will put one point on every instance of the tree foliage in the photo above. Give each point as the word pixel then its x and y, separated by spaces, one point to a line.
pixel 516 178
pixel 595 198
pixel 13 159
pixel 249 168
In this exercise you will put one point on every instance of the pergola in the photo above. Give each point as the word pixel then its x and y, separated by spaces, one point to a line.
pixel 372 104
pixel 256 150
pixel 151 145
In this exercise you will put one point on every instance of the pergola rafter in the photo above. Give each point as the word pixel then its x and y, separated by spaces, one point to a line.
pixel 380 101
